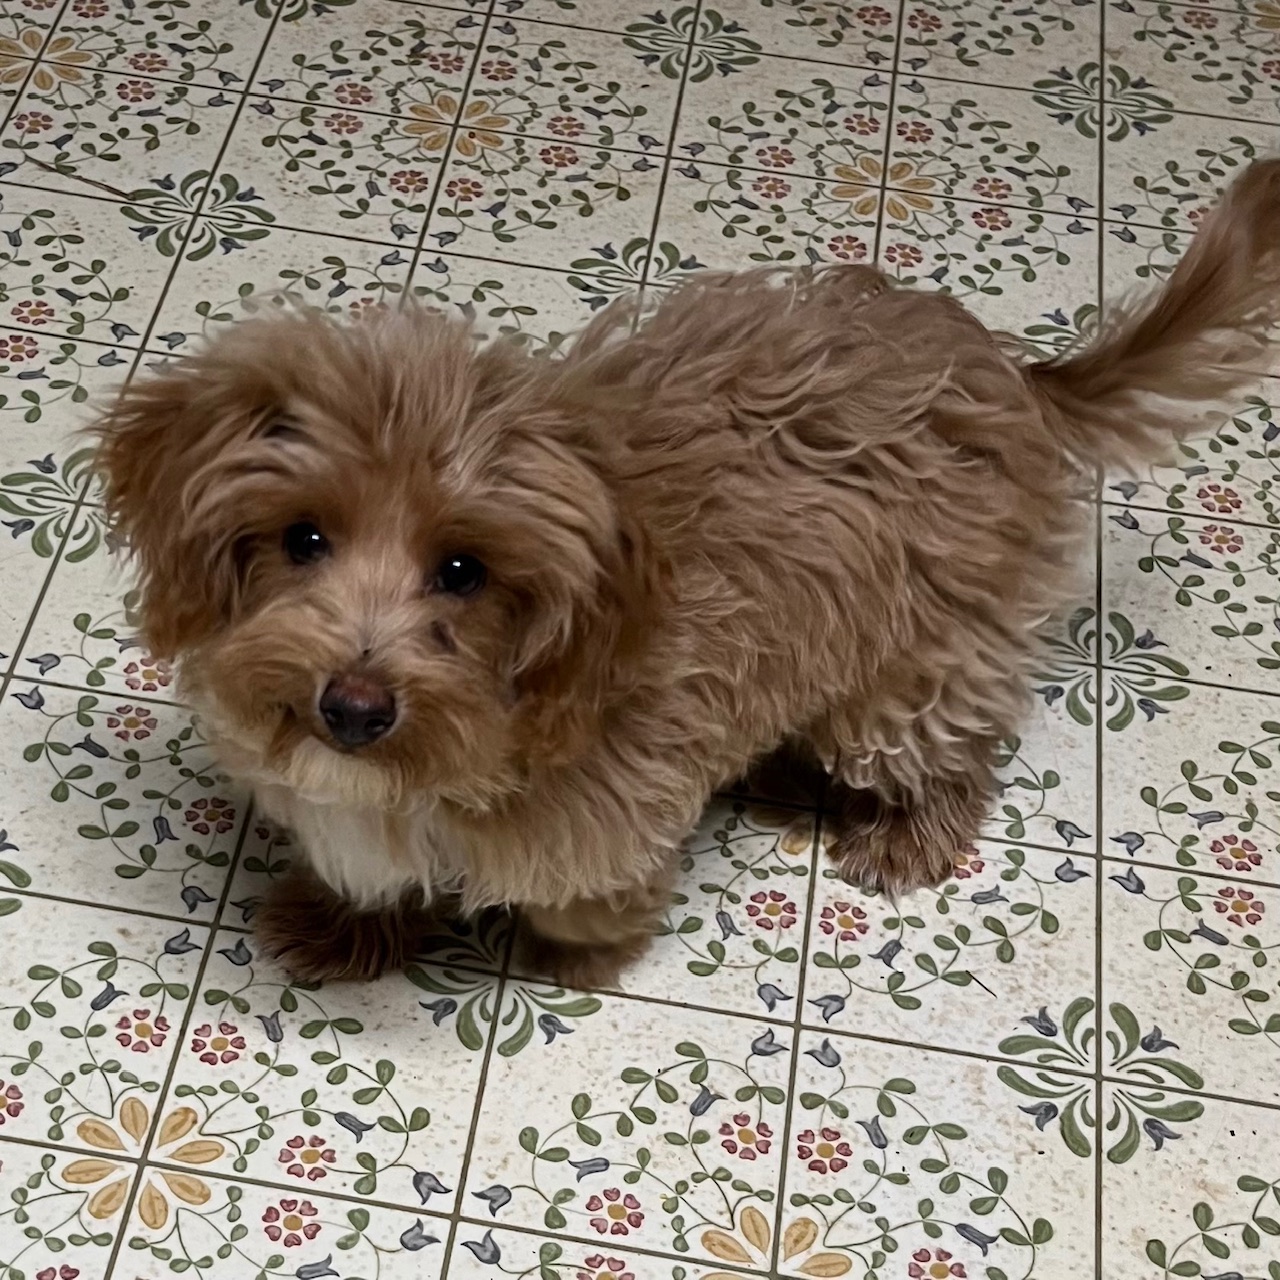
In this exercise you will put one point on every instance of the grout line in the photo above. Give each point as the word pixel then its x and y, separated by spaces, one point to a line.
pixel 668 158
pixel 162 1096
pixel 1120 505
pixel 797 1029
pixel 419 247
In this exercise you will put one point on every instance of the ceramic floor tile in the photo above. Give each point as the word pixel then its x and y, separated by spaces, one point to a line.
pixel 1207 1202
pixel 95 1002
pixel 211 289
pixel 101 134
pixel 407 59
pixel 54 1227
pixel 610 1135
pixel 86 267
pixel 1191 787
pixel 113 799
pixel 936 1163
pixel 1002 41
pixel 823 30
pixel 582 87
pixel 1206 586
pixel 233 1230
pixel 994 146
pixel 307 1088
pixel 1188 956
pixel 1011 932
pixel 798 1079
pixel 789 117
pixel 214 45
pixel 1166 56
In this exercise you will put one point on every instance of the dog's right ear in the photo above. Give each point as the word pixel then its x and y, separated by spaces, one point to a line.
pixel 159 450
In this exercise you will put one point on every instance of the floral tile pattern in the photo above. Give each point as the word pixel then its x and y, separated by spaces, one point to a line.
pixel 1061 1062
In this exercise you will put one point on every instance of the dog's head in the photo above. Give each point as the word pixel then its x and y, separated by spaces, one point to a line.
pixel 389 564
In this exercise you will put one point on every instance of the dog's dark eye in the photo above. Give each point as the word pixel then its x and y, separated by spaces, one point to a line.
pixel 459 576
pixel 304 543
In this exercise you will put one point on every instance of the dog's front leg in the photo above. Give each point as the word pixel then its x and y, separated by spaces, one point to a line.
pixel 318 935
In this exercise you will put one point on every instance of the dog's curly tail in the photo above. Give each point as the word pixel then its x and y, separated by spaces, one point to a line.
pixel 1159 368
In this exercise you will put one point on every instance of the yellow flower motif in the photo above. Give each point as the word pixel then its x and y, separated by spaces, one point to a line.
pixel 1268 15
pixel 800 1236
pixel 135 1120
pixel 14 54
pixel 62 62
pixel 431 124
pixel 860 185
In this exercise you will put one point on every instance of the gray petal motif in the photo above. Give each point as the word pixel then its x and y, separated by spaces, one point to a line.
pixel 1041 1021
pixel 416 1238
pixel 875 1133
pixel 427 1185
pixel 486 1250
pixel 824 1055
pixel 496 1197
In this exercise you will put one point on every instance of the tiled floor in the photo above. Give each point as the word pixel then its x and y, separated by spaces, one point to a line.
pixel 1063 1064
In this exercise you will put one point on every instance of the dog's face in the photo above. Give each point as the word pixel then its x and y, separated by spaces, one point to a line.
pixel 386 562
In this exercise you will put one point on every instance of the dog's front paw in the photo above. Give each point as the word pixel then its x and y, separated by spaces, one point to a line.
pixel 318 937
pixel 579 966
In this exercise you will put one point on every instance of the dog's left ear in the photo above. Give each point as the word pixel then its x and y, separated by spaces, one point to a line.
pixel 156 449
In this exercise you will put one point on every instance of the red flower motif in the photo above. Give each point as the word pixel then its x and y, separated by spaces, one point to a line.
pixel 1221 539
pixel 1271 68
pixel 774 157
pixel 463 189
pixel 11 1103
pixel 136 90
pixel 352 93
pixel 923 20
pixel 32 122
pixel 1235 854
pixel 63 1272
pixel 914 131
pixel 132 723
pixel 1218 500
pixel 844 920
pixel 141 1032
pixel 743 1140
pixel 210 814
pixel 992 219
pixel 566 126
pixel 498 69
pixel 905 255
pixel 1239 905
pixel 988 188
pixel 17 348
pixel 937 1265
pixel 825 1151
pixel 967 863
pixel 220 1046
pixel 872 15
pixel 771 188
pixel 306 1157
pixel 863 126
pixel 1198 20
pixel 558 156
pixel 90 8
pixel 148 61
pixel 598 1267
pixel 772 910
pixel 286 1223
pixel 32 311
pixel 409 181
pixel 616 1213
pixel 38 4
pixel 148 674
pixel 847 248
pixel 449 63
pixel 343 122
pixel 363 307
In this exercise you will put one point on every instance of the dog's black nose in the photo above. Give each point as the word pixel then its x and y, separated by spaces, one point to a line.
pixel 357 710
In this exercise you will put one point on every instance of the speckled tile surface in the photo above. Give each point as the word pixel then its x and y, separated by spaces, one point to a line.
pixel 1063 1063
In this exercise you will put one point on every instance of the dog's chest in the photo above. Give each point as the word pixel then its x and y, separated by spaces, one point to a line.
pixel 369 856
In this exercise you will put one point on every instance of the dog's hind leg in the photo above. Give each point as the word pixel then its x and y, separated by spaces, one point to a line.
pixel 889 839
